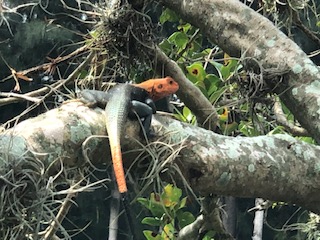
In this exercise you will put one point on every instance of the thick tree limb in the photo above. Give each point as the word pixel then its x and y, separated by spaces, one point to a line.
pixel 191 95
pixel 241 31
pixel 275 167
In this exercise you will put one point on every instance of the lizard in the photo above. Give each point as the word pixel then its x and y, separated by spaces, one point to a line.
pixel 128 100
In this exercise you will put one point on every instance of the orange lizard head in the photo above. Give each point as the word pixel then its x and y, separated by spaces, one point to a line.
pixel 159 87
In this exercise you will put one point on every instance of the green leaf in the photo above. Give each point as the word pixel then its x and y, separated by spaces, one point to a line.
pixel 185 218
pixel 196 70
pixel 215 83
pixel 229 69
pixel 156 206
pixel 168 16
pixel 151 235
pixel 187 114
pixel 184 27
pixel 171 196
pixel 166 46
pixel 307 140
pixel 83 73
pixel 168 232
pixel 209 235
pixel 144 202
pixel 276 130
pixel 183 202
pixel 225 72
pixel 217 94
pixel 151 221
pixel 247 129
pixel 178 115
pixel 217 65
pixel 192 78
pixel 180 39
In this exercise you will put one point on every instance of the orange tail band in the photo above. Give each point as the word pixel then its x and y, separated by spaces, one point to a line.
pixel 118 168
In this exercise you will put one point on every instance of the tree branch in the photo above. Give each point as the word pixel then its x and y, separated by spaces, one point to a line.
pixel 277 167
pixel 241 31
pixel 188 93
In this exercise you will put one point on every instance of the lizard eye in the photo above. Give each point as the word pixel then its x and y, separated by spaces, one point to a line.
pixel 160 86
pixel 170 82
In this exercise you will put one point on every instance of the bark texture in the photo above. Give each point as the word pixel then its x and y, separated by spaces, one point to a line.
pixel 277 167
pixel 273 167
pixel 240 31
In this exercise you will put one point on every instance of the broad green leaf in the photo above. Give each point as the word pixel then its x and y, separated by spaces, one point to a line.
pixel 196 69
pixel 171 195
pixel 214 83
pixel 144 202
pixel 156 206
pixel 225 72
pixel 217 94
pixel 184 218
pixel 181 40
pixel 213 88
pixel 217 65
pixel 168 232
pixel 172 37
pixel 168 15
pixel 152 221
pixel 151 235
pixel 307 140
pixel 187 114
pixel 229 69
pixel 184 27
pixel 192 78
pixel 166 46
pixel 179 115
pixel 201 85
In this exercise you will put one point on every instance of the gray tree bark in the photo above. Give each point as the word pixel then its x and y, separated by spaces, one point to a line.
pixel 277 167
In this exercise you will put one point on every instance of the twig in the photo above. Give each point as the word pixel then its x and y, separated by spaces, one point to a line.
pixel 297 21
pixel 47 66
pixel 282 120
pixel 22 96
pixel 55 85
pixel 54 225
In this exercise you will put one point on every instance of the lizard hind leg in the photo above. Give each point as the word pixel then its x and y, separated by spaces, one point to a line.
pixel 144 112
